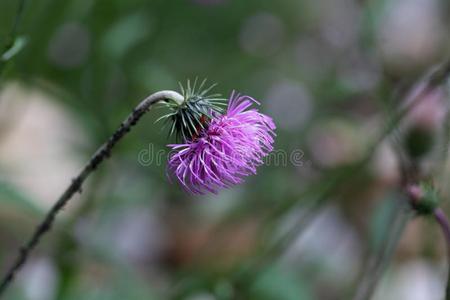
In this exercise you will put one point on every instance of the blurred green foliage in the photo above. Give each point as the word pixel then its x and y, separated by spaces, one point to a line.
pixel 315 65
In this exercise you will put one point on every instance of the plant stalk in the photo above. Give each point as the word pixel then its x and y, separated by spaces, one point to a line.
pixel 76 185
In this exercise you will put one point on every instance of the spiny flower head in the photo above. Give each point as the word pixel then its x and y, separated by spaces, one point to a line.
pixel 227 148
pixel 188 118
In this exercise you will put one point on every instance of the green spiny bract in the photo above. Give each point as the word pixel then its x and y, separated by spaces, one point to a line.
pixel 187 119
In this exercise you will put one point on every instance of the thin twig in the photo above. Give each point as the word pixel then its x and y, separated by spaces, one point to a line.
pixel 100 155
pixel 409 173
pixel 427 84
pixel 378 264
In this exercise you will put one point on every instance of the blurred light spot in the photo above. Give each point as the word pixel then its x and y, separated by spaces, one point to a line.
pixel 69 46
pixel 329 230
pixel 417 280
pixel 290 104
pixel 38 149
pixel 262 34
pixel 359 73
pixel 139 236
pixel 385 165
pixel 339 22
pixel 126 34
pixel 201 296
pixel 218 206
pixel 313 57
pixel 411 32
pixel 335 142
pixel 39 280
pixel 430 112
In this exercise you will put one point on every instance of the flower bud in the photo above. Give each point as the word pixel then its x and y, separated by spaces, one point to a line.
pixel 424 198
pixel 188 117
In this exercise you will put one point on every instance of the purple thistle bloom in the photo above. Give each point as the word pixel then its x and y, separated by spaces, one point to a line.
pixel 231 147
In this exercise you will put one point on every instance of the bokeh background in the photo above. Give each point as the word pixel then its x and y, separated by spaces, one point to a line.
pixel 330 73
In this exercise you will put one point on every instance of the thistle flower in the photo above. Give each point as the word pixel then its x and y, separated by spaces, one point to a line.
pixel 226 149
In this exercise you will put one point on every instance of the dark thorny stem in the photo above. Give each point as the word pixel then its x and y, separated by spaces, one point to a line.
pixel 75 186
pixel 442 220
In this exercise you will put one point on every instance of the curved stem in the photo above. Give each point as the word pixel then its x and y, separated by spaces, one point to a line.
pixel 435 78
pixel 377 265
pixel 442 220
pixel 100 155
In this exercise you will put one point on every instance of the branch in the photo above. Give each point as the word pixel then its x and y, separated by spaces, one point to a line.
pixel 414 96
pixel 100 155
